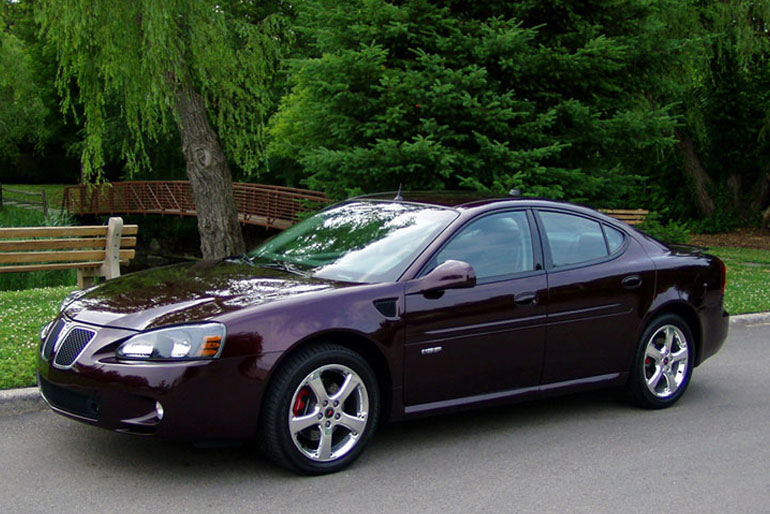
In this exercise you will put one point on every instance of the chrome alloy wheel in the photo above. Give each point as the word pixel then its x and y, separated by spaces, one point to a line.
pixel 328 413
pixel 665 361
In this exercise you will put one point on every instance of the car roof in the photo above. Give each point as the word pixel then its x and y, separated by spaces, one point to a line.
pixel 463 200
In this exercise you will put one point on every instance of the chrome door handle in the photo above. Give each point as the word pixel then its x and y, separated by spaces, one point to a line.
pixel 632 282
pixel 527 298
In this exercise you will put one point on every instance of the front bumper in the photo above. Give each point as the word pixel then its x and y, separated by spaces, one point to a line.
pixel 201 400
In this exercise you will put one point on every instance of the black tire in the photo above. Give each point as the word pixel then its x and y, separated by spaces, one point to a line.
pixel 295 396
pixel 659 376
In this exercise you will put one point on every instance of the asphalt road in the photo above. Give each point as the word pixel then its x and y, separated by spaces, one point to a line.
pixel 589 453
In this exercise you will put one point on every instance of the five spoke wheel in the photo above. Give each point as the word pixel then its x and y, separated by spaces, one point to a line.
pixel 666 361
pixel 320 410
pixel 663 363
pixel 328 412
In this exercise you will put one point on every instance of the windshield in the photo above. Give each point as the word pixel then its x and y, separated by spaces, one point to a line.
pixel 356 241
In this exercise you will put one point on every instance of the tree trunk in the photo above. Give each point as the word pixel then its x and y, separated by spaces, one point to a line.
pixel 760 201
pixel 693 169
pixel 210 177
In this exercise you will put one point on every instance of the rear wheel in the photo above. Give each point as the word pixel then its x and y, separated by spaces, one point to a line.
pixel 320 410
pixel 663 363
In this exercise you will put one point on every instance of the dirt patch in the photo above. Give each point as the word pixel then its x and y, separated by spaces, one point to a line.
pixel 758 238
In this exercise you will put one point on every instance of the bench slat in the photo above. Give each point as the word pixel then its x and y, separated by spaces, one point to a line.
pixel 61 244
pixel 85 231
pixel 44 267
pixel 642 212
pixel 65 256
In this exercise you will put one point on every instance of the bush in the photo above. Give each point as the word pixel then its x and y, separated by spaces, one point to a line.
pixel 671 232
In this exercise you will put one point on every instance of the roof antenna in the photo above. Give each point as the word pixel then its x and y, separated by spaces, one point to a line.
pixel 398 197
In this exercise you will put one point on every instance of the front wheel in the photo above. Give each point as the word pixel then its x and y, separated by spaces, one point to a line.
pixel 663 363
pixel 320 410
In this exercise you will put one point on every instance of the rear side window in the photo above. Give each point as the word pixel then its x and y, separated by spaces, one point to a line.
pixel 573 239
pixel 614 238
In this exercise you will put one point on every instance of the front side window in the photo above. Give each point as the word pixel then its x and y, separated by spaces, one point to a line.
pixel 497 245
pixel 573 239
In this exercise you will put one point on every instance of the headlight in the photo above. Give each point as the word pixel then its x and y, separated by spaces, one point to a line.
pixel 184 342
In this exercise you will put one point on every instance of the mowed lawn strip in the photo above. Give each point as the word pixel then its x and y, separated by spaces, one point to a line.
pixel 748 279
pixel 22 315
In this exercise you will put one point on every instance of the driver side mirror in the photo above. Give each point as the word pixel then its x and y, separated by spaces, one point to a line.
pixel 448 275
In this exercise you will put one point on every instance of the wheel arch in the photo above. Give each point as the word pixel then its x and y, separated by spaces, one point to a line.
pixel 354 342
pixel 688 314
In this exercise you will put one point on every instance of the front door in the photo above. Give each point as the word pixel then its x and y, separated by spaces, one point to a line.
pixel 490 338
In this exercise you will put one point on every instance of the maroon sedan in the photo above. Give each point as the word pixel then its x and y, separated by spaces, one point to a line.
pixel 379 309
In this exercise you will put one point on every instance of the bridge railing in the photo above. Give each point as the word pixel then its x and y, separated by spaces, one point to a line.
pixel 257 204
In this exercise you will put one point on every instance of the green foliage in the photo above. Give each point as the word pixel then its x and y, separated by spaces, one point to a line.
pixel 17 217
pixel 545 97
pixel 671 232
pixel 128 62
pixel 22 316
pixel 724 103
pixel 22 110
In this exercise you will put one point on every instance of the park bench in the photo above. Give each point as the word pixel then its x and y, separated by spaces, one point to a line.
pixel 630 216
pixel 95 251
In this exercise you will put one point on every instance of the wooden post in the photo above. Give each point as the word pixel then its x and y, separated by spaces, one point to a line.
pixel 45 203
pixel 111 267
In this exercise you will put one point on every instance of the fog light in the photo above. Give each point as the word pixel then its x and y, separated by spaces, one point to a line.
pixel 158 411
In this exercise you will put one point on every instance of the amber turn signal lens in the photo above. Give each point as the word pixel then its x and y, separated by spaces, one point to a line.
pixel 211 346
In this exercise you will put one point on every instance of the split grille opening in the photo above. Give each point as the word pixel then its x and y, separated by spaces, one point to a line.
pixel 74 343
pixel 50 342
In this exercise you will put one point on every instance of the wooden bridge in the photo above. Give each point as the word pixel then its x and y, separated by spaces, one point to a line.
pixel 257 204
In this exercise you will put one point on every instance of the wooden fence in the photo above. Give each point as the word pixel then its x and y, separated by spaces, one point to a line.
pixel 9 196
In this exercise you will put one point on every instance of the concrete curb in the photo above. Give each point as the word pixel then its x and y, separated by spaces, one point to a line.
pixel 756 317
pixel 27 399
pixel 17 401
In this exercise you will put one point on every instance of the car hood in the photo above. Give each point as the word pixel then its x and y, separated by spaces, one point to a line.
pixel 187 292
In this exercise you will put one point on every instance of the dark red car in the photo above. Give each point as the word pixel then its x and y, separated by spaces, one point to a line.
pixel 379 309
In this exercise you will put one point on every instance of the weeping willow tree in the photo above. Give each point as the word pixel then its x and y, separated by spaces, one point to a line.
pixel 22 110
pixel 723 142
pixel 197 66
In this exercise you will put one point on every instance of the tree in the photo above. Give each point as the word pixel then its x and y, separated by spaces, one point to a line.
pixel 725 100
pixel 22 109
pixel 548 97
pixel 202 67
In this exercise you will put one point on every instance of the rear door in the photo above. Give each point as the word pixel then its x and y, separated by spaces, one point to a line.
pixel 600 285
pixel 467 342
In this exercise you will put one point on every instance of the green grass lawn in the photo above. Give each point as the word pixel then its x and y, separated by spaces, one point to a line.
pixel 23 313
pixel 748 279
pixel 54 192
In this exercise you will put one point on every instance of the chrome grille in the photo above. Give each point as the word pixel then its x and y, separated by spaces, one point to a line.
pixel 50 341
pixel 74 343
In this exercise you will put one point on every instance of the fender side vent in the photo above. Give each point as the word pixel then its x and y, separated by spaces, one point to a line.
pixel 387 307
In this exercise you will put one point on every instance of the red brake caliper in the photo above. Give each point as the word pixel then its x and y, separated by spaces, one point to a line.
pixel 301 402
